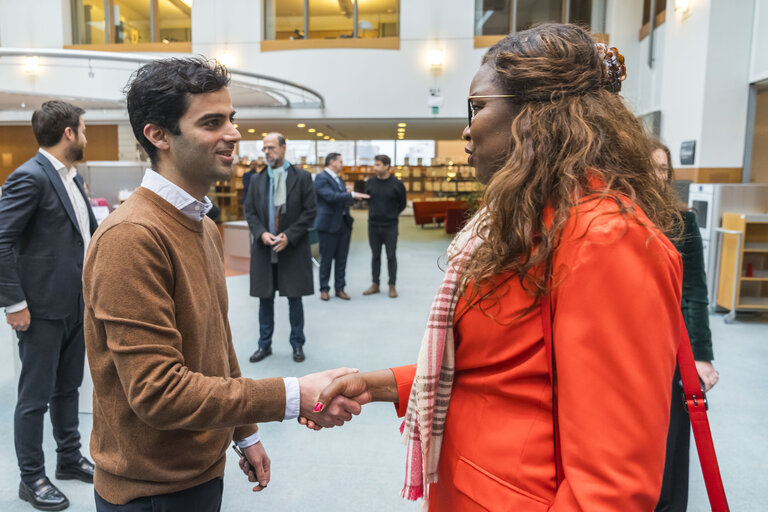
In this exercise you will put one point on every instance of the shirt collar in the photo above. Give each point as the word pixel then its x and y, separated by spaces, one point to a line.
pixel 177 196
pixel 333 174
pixel 68 174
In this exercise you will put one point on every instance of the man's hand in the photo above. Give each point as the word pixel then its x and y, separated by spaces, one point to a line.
pixel 707 374
pixel 20 320
pixel 281 242
pixel 362 388
pixel 334 414
pixel 359 195
pixel 256 458
pixel 268 239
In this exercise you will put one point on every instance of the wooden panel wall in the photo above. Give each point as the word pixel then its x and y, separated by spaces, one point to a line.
pixel 18 144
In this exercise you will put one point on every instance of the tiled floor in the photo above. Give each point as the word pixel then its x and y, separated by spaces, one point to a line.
pixel 360 466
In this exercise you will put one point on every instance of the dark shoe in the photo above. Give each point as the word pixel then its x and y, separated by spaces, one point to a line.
pixel 298 354
pixel 325 296
pixel 43 495
pixel 343 295
pixel 392 291
pixel 374 288
pixel 81 470
pixel 260 354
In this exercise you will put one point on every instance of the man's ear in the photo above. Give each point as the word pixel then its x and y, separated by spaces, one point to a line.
pixel 69 134
pixel 157 136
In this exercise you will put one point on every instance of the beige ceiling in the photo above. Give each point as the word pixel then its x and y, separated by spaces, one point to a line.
pixel 356 129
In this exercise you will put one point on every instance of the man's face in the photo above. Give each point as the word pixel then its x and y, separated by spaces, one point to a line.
pixel 274 153
pixel 203 150
pixel 77 146
pixel 379 168
pixel 336 165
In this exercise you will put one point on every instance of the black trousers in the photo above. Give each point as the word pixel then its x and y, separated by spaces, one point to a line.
pixel 334 247
pixel 52 356
pixel 267 317
pixel 386 235
pixel 674 486
pixel 202 498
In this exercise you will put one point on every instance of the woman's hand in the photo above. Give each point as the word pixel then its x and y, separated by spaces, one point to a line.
pixel 363 388
pixel 707 374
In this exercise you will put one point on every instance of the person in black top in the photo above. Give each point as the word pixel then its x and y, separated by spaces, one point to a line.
pixel 674 488
pixel 384 207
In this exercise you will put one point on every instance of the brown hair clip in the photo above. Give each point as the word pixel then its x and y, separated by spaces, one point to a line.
pixel 614 63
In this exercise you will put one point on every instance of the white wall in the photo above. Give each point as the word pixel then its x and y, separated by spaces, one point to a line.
pixel 759 60
pixel 33 24
pixel 623 20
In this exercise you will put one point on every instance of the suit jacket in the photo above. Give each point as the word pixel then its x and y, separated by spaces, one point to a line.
pixel 41 248
pixel 616 328
pixel 333 202
pixel 294 270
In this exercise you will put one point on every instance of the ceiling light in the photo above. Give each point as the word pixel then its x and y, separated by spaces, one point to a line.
pixel 301 125
pixel 436 58
pixel 320 134
pixel 32 65
pixel 226 58
pixel 236 125
pixel 332 139
pixel 251 130
pixel 326 137
pixel 263 134
pixel 311 130
pixel 402 125
pixel 401 130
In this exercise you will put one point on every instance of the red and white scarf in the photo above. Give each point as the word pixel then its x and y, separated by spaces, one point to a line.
pixel 422 430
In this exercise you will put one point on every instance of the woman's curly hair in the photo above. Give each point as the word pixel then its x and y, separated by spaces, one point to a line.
pixel 571 129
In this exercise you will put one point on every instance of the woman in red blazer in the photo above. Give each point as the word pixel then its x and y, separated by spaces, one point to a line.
pixel 573 218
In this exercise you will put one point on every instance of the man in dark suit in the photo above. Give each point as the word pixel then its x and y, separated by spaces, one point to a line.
pixel 46 224
pixel 280 208
pixel 333 224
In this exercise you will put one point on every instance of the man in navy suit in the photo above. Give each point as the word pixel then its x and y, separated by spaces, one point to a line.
pixel 333 224
pixel 46 223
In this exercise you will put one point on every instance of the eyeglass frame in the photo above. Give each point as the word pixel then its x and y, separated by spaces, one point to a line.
pixel 471 110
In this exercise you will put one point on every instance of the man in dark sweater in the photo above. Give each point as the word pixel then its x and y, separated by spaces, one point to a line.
pixel 384 207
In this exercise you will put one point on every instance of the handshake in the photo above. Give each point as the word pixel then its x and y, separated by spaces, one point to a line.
pixel 331 398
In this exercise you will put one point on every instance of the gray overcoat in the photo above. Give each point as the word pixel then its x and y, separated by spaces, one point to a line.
pixel 294 265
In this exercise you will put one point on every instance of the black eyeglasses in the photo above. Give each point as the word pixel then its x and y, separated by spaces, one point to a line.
pixel 471 107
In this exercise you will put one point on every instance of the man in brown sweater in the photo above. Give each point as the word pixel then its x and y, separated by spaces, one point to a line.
pixel 168 394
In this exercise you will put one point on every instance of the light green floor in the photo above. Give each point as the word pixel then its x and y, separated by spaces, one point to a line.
pixel 360 466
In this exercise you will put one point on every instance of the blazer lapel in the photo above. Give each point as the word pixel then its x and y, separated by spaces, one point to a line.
pixel 58 186
pixel 264 200
pixel 91 218
pixel 290 180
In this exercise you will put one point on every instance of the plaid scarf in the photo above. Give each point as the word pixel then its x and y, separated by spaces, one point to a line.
pixel 422 430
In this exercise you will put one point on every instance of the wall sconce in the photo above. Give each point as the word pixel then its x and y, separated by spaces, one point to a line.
pixel 436 59
pixel 683 7
pixel 226 58
pixel 32 65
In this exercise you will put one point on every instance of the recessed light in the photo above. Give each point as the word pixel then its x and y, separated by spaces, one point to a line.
pixel 401 130
pixel 236 125
pixel 320 134
pixel 263 134
pixel 251 130
pixel 332 139
pixel 301 125
pixel 311 130
pixel 402 124
pixel 326 137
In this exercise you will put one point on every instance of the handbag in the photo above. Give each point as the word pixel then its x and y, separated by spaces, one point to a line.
pixel 693 397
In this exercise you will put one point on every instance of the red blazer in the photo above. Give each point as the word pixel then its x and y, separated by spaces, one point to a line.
pixel 616 327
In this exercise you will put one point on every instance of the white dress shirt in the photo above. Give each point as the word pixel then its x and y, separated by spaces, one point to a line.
pixel 196 210
pixel 79 205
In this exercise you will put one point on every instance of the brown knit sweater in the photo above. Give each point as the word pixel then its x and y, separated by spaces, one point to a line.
pixel 168 397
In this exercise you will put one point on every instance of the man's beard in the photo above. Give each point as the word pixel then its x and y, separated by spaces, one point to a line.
pixel 76 154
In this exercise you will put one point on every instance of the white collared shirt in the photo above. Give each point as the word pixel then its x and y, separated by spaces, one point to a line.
pixel 196 210
pixel 177 196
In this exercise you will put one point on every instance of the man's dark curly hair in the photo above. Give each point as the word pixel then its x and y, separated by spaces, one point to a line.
pixel 158 93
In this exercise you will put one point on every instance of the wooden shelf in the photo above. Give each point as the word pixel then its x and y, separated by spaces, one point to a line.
pixel 756 279
pixel 755 247
pixel 753 302
pixel 739 255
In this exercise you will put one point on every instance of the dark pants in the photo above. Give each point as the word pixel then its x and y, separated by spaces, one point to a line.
pixel 202 498
pixel 385 235
pixel 334 247
pixel 267 317
pixel 52 356
pixel 674 486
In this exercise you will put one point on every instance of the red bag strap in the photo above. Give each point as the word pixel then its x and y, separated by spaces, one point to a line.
pixel 695 401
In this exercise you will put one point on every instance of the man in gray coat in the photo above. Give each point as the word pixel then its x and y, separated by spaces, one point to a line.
pixel 280 209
